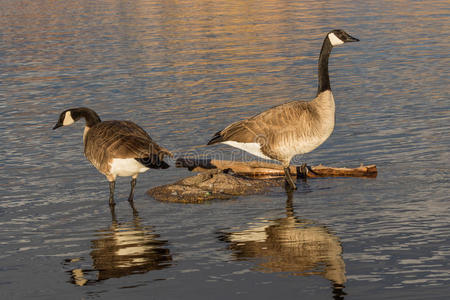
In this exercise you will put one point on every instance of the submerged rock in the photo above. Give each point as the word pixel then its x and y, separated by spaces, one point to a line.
pixel 213 184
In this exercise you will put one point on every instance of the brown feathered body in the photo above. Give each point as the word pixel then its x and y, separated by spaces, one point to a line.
pixel 283 131
pixel 111 141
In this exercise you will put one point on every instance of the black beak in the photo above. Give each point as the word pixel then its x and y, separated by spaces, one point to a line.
pixel 349 38
pixel 57 126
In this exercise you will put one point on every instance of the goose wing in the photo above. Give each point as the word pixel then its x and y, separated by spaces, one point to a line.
pixel 274 122
pixel 121 139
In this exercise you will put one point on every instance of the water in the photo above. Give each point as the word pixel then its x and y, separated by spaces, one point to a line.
pixel 185 69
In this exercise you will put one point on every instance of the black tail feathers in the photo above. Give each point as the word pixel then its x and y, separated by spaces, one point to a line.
pixel 217 138
pixel 153 161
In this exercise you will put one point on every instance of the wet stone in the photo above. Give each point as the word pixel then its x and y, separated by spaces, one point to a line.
pixel 211 185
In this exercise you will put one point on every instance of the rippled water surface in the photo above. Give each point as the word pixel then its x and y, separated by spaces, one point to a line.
pixel 185 69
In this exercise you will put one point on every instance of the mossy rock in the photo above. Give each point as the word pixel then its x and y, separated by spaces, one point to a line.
pixel 214 184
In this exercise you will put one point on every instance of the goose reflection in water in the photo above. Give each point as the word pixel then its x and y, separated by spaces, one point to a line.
pixel 124 249
pixel 290 244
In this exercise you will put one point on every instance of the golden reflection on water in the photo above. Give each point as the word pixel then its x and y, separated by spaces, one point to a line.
pixel 297 246
pixel 121 250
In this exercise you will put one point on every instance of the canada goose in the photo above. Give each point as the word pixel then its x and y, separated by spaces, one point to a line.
pixel 292 128
pixel 116 148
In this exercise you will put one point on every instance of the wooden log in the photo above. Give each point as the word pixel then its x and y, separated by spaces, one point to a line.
pixel 267 170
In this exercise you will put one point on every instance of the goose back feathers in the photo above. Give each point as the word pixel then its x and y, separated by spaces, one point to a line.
pixel 112 140
pixel 283 131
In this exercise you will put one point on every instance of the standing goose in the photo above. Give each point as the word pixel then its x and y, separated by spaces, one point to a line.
pixel 292 128
pixel 116 148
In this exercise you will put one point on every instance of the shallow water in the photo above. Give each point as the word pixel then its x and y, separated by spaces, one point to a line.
pixel 185 69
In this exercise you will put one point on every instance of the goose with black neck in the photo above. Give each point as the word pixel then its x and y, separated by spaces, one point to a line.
pixel 116 148
pixel 296 127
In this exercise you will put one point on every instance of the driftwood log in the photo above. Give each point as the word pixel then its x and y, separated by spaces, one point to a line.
pixel 263 169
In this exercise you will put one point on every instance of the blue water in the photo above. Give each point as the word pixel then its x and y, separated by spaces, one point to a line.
pixel 185 69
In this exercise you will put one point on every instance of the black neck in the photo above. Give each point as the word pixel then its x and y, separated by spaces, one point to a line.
pixel 324 79
pixel 88 114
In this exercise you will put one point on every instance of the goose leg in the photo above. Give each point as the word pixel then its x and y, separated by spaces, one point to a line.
pixel 112 185
pixel 288 177
pixel 113 214
pixel 133 184
pixel 135 212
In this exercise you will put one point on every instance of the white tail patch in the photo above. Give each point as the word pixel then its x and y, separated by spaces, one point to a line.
pixel 126 167
pixel 252 148
pixel 68 118
pixel 334 39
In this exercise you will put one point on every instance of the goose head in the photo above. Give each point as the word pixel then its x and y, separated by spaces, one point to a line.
pixel 67 117
pixel 70 116
pixel 339 37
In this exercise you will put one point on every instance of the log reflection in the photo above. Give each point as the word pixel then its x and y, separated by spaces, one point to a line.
pixel 123 249
pixel 298 246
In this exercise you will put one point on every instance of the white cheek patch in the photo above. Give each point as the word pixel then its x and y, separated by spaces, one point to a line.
pixel 68 119
pixel 334 39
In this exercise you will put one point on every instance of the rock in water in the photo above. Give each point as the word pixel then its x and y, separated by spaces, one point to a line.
pixel 213 184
